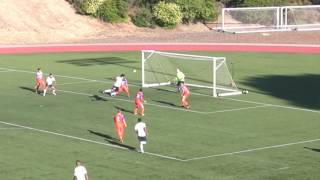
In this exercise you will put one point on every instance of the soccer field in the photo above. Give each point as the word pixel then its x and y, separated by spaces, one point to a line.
pixel 271 133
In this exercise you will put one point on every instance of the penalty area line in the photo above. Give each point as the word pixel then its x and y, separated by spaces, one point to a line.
pixel 125 100
pixel 252 150
pixel 275 105
pixel 87 140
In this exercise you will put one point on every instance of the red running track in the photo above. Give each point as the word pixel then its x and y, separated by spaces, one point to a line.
pixel 219 47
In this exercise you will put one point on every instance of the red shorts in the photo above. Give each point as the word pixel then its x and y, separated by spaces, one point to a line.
pixel 139 104
pixel 123 88
pixel 40 82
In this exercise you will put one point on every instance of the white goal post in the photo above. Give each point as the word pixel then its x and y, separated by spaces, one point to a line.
pixel 204 72
pixel 269 19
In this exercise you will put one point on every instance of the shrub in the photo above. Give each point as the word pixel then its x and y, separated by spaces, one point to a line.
pixel 143 18
pixel 194 10
pixel 209 12
pixel 90 6
pixel 167 14
pixel 113 11
pixel 77 5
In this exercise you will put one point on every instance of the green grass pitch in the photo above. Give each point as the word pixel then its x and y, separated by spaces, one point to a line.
pixel 271 133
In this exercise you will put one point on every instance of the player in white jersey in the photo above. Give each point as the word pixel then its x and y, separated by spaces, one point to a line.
pixel 115 89
pixel 141 130
pixel 80 172
pixel 50 81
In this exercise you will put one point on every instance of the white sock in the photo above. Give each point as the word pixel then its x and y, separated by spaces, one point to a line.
pixel 54 92
pixel 113 94
pixel 44 92
pixel 141 148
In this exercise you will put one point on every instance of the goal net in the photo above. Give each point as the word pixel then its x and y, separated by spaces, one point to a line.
pixel 269 19
pixel 301 18
pixel 204 72
pixel 252 19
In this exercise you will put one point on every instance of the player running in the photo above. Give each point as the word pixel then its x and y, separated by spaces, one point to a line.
pixel 50 81
pixel 139 100
pixel 124 86
pixel 184 96
pixel 39 80
pixel 116 86
pixel 119 124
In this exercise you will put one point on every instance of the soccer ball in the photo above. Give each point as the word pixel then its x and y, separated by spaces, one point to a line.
pixel 134 70
pixel 245 91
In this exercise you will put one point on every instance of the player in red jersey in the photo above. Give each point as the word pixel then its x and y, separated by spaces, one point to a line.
pixel 184 96
pixel 124 86
pixel 139 100
pixel 119 124
pixel 39 80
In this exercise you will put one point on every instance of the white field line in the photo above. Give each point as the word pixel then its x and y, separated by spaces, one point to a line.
pixel 92 80
pixel 237 109
pixel 86 140
pixel 282 168
pixel 254 149
pixel 70 77
pixel 168 107
pixel 275 105
pixel 78 82
pixel 10 128
pixel 3 71
pixel 126 100
pixel 259 103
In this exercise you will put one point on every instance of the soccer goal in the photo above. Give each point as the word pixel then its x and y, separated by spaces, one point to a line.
pixel 269 19
pixel 205 72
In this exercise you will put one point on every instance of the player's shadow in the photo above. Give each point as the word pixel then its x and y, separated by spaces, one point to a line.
pixel 27 88
pixel 123 109
pixel 97 98
pixel 300 90
pixel 112 140
pixel 312 149
pixel 100 61
pixel 166 103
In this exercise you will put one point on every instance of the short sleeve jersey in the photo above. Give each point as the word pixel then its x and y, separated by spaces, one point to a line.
pixel 140 128
pixel 139 96
pixel 124 82
pixel 80 172
pixel 118 81
pixel 50 80
pixel 39 75
pixel 119 119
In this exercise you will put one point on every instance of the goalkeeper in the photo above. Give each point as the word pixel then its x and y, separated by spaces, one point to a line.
pixel 179 78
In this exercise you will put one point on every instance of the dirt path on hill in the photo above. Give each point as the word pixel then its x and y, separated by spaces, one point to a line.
pixel 55 21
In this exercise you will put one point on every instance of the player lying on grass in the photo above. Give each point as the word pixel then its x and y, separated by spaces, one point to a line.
pixel 120 85
pixel 184 96
pixel 119 124
pixel 50 81
pixel 139 100
pixel 39 81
